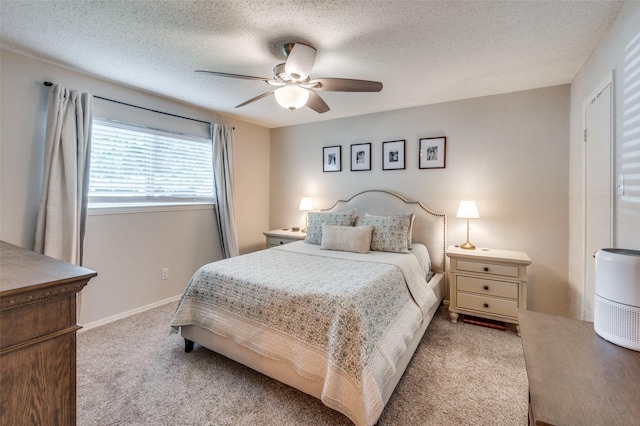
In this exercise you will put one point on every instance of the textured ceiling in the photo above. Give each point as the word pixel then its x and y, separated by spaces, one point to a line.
pixel 423 52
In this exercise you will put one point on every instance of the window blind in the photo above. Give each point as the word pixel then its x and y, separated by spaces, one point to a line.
pixel 629 172
pixel 136 165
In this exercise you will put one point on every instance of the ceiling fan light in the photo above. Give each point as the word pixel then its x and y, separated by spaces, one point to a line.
pixel 300 61
pixel 291 97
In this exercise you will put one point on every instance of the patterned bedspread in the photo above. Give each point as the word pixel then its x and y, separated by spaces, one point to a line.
pixel 341 318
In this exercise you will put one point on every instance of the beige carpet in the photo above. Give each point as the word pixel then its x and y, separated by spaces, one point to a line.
pixel 133 372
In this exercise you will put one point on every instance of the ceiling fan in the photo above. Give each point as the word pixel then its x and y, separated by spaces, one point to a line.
pixel 295 88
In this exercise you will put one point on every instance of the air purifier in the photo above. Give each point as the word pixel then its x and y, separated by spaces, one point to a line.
pixel 617 297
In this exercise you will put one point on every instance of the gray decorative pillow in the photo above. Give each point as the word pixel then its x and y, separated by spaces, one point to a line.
pixel 316 219
pixel 409 231
pixel 346 238
pixel 390 233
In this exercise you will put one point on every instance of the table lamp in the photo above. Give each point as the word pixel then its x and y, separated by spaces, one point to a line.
pixel 306 205
pixel 468 210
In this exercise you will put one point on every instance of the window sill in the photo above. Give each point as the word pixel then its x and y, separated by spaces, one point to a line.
pixel 106 209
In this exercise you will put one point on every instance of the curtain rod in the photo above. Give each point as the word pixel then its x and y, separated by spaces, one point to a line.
pixel 48 84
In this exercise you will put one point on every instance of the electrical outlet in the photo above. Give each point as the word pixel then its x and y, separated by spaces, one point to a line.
pixel 164 274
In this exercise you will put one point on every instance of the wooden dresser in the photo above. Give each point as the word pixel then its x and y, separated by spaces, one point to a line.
pixel 575 376
pixel 38 337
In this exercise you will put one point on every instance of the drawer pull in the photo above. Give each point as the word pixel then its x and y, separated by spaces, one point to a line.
pixel 486 305
pixel 486 287
pixel 281 242
pixel 486 269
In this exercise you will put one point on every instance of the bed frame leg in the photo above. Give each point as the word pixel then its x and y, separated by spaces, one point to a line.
pixel 188 345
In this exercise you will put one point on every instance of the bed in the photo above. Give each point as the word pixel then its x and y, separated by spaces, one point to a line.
pixel 326 316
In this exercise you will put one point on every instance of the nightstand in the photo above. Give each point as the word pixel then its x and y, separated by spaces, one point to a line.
pixel 278 237
pixel 487 283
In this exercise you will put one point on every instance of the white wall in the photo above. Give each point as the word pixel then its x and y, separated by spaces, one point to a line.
pixel 614 53
pixel 508 152
pixel 127 250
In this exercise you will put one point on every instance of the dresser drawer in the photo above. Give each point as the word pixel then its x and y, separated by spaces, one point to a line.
pixel 489 305
pixel 487 268
pixel 487 287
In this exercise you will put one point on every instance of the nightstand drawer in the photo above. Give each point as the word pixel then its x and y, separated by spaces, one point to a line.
pixel 488 268
pixel 487 287
pixel 273 241
pixel 279 237
pixel 487 304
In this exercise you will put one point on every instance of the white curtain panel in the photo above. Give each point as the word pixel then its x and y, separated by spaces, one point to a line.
pixel 222 139
pixel 63 206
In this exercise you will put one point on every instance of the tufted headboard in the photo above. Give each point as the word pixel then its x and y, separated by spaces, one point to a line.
pixel 429 228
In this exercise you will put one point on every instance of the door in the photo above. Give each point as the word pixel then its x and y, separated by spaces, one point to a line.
pixel 598 194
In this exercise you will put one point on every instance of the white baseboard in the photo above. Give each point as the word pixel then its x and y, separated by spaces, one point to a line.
pixel 113 318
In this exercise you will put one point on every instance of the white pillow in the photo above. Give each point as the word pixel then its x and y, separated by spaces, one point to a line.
pixel 346 238
pixel 421 253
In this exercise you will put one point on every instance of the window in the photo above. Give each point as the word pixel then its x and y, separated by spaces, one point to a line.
pixel 135 165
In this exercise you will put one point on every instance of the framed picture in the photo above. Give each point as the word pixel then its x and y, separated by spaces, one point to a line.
pixel 393 155
pixel 360 157
pixel 432 153
pixel 332 158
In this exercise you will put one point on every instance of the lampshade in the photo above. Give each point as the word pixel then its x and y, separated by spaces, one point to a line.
pixel 305 204
pixel 291 96
pixel 468 210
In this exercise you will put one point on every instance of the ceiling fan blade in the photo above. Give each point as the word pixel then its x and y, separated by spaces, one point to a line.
pixel 300 61
pixel 264 95
pixel 316 103
pixel 344 85
pixel 224 74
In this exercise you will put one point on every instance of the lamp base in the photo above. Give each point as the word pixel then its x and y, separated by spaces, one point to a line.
pixel 467 246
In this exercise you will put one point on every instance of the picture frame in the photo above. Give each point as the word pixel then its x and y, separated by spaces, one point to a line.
pixel 432 153
pixel 360 157
pixel 393 157
pixel 332 158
